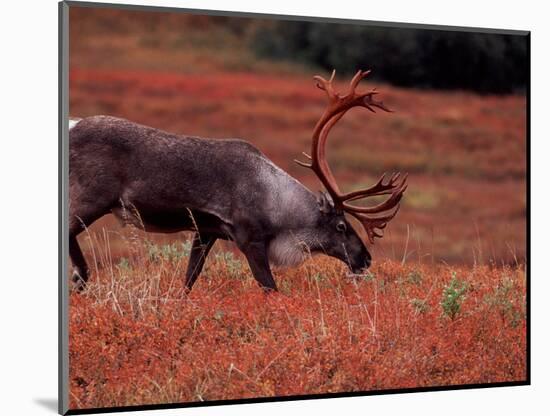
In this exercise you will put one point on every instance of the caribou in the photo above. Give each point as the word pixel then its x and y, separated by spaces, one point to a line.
pixel 224 189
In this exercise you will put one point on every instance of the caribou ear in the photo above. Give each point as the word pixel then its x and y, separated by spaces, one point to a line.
pixel 326 205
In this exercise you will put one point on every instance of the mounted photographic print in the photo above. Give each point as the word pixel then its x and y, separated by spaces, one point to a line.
pixel 263 208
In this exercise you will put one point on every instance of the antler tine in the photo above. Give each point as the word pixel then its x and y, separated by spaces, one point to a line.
pixel 304 164
pixel 389 203
pixel 378 188
pixel 370 102
pixel 364 99
pixel 367 98
pixel 356 79
pixel 325 85
pixel 377 223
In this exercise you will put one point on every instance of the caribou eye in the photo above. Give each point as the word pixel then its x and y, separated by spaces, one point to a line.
pixel 341 226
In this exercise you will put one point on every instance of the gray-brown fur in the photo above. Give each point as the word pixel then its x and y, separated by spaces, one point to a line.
pixel 160 180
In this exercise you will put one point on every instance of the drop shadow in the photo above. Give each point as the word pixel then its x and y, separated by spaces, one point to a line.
pixel 49 403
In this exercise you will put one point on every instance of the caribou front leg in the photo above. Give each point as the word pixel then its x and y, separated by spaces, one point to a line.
pixel 256 255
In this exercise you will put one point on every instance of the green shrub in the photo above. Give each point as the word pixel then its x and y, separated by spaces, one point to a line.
pixel 168 252
pixel 453 296
pixel 233 264
pixel 507 301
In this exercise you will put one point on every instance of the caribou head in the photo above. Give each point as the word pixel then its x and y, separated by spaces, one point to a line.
pixel 344 242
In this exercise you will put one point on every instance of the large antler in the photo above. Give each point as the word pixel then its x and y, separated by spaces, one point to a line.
pixel 395 186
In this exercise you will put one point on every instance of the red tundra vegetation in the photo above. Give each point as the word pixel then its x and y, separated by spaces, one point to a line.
pixel 137 338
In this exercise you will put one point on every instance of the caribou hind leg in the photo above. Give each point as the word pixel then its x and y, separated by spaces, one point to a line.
pixel 81 216
pixel 202 243
pixel 80 268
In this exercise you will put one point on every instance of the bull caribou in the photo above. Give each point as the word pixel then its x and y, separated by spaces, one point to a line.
pixel 224 189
